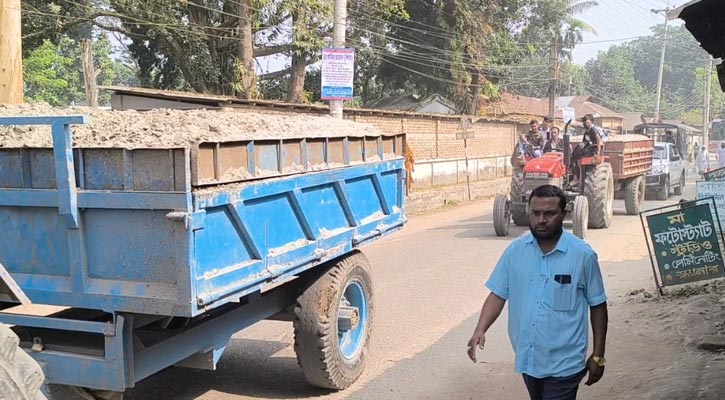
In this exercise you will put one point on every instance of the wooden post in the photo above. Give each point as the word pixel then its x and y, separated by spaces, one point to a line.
pixel 11 54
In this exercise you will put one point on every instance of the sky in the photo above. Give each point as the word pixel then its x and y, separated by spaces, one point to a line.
pixel 615 20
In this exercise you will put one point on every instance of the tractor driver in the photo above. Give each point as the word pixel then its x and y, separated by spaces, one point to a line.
pixel 591 145
pixel 534 138
pixel 555 142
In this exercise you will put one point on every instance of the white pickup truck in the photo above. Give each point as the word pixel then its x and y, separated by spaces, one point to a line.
pixel 668 171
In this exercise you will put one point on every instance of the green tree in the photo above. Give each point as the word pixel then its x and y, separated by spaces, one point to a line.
pixel 50 74
pixel 613 81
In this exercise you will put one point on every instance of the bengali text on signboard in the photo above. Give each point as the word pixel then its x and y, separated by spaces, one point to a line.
pixel 338 73
pixel 716 190
pixel 715 175
pixel 686 245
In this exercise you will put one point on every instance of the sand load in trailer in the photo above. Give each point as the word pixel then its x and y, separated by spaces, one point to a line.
pixel 191 218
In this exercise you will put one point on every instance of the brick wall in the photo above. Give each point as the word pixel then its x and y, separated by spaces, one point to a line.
pixel 439 155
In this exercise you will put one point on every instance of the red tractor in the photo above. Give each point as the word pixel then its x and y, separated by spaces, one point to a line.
pixel 590 203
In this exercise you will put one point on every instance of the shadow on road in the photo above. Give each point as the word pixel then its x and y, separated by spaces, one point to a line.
pixel 247 368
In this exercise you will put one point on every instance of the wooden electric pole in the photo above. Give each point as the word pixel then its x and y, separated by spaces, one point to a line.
pixel 11 54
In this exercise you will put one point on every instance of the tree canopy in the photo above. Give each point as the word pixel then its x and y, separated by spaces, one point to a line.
pixel 466 50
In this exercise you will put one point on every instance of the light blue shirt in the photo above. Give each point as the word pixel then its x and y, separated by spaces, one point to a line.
pixel 548 318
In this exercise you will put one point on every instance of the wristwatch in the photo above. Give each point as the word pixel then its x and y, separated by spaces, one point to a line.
pixel 600 361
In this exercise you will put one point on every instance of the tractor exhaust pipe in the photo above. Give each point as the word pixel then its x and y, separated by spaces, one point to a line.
pixel 567 148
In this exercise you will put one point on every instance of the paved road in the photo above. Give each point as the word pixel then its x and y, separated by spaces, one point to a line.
pixel 428 291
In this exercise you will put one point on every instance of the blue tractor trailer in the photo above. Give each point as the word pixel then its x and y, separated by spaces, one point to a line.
pixel 155 256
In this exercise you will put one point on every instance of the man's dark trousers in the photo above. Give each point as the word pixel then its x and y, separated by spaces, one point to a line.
pixel 554 388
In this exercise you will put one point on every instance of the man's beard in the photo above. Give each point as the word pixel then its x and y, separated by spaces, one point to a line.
pixel 554 233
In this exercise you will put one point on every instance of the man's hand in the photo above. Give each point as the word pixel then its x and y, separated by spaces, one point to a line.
pixel 477 340
pixel 598 159
pixel 595 372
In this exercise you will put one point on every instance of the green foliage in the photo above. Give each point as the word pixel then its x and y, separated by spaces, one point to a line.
pixel 50 74
pixel 54 74
pixel 625 77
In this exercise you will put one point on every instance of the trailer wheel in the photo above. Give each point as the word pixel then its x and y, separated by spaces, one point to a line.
pixel 333 321
pixel 20 376
pixel 634 192
pixel 580 217
pixel 599 190
pixel 501 215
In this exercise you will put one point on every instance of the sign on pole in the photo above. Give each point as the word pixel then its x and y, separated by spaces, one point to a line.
pixel 715 190
pixel 568 114
pixel 685 245
pixel 338 73
pixel 715 175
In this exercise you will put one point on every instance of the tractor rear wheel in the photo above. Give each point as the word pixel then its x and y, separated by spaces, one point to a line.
pixel 599 190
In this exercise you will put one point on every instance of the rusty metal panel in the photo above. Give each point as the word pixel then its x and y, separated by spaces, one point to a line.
pixel 316 152
pixel 388 145
pixel 233 162
pixel 399 146
pixel 336 151
pixel 292 156
pixel 266 157
pixel 103 169
pixel 203 168
pixel 153 170
pixel 356 149
pixel 372 148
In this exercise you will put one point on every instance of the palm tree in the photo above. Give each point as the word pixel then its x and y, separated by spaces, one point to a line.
pixel 572 31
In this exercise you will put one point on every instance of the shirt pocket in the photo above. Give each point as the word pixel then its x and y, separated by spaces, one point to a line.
pixel 564 297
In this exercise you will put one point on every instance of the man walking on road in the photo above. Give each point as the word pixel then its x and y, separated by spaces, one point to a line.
pixel 550 278
pixel 721 155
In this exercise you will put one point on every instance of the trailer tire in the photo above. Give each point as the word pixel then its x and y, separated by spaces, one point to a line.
pixel 634 192
pixel 580 217
pixel 20 376
pixel 501 215
pixel 599 190
pixel 331 357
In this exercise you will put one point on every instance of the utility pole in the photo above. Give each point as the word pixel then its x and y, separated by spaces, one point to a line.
pixel 11 54
pixel 338 41
pixel 554 85
pixel 706 110
pixel 662 63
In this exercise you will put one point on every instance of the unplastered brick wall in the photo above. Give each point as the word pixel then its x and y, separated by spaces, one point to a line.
pixel 433 138
pixel 430 137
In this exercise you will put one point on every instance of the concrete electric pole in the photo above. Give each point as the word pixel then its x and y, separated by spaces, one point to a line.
pixel 11 54
pixel 338 41
pixel 706 108
pixel 662 64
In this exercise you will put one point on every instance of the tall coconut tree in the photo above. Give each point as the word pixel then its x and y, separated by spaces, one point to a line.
pixel 572 31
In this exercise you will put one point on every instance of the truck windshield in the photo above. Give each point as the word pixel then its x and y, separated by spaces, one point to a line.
pixel 660 153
